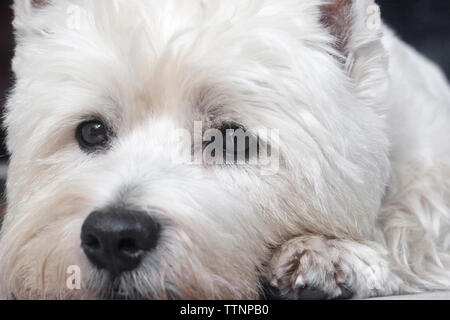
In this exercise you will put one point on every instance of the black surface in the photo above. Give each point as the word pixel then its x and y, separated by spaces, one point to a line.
pixel 6 51
pixel 425 24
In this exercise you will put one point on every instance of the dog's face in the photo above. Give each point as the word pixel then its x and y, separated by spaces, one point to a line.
pixel 97 178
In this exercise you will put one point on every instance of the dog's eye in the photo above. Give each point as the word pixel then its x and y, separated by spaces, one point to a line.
pixel 230 133
pixel 92 135
pixel 238 144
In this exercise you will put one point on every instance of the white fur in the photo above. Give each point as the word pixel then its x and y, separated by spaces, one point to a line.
pixel 348 129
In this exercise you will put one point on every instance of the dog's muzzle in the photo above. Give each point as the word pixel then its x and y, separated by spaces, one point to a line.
pixel 117 239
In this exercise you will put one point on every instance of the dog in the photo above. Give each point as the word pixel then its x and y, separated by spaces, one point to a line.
pixel 104 200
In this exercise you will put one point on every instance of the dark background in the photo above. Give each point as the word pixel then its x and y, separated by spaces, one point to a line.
pixel 423 23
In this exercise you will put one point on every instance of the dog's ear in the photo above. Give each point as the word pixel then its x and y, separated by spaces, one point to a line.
pixel 30 6
pixel 352 22
pixel 28 15
pixel 337 16
pixel 40 3
pixel 357 30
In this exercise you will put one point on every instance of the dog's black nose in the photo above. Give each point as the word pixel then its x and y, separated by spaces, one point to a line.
pixel 118 239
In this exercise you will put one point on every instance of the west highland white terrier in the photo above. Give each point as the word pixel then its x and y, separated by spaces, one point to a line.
pixel 122 183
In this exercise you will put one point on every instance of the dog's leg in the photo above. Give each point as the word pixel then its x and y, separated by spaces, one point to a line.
pixel 313 267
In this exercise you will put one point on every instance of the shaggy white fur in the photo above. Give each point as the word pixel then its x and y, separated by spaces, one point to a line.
pixel 360 204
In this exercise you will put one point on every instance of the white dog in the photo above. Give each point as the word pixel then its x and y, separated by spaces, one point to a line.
pixel 359 204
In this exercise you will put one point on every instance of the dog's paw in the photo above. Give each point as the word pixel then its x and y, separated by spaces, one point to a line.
pixel 313 267
pixel 304 268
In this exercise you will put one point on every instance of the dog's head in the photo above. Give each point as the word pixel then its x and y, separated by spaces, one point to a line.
pixel 101 200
